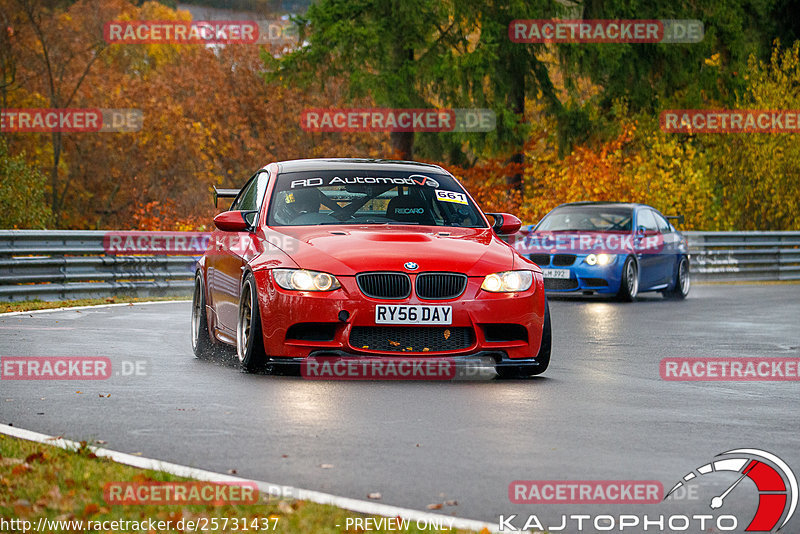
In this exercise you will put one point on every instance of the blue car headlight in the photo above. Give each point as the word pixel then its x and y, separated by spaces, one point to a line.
pixel 600 259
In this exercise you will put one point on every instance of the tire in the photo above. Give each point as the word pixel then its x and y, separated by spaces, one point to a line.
pixel 202 344
pixel 683 282
pixel 629 285
pixel 543 357
pixel 249 338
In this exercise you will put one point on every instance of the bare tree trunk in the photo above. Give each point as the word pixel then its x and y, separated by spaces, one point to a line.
pixel 55 205
pixel 517 102
pixel 8 64
pixel 403 144
pixel 54 73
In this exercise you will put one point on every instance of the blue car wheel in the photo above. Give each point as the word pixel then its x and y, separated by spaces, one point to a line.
pixel 629 285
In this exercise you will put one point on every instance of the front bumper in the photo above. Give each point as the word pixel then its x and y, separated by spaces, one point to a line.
pixel 604 279
pixel 479 366
pixel 299 324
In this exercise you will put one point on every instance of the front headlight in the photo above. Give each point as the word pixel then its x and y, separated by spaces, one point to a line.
pixel 304 280
pixel 599 259
pixel 508 282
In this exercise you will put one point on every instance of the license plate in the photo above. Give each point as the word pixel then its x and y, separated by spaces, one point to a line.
pixel 555 273
pixel 413 314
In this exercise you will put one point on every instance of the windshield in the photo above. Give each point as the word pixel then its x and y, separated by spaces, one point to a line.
pixel 371 197
pixel 587 218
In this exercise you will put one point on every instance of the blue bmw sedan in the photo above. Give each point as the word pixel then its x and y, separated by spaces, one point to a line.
pixel 618 249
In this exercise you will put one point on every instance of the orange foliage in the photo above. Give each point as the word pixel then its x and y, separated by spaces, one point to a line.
pixel 645 166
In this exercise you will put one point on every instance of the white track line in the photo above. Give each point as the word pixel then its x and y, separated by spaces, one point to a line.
pixel 91 307
pixel 355 505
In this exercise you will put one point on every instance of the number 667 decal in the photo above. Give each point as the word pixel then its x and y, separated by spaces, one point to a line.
pixel 451 196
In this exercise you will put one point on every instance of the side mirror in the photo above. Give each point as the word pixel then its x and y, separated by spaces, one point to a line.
pixel 224 193
pixel 505 223
pixel 640 231
pixel 233 221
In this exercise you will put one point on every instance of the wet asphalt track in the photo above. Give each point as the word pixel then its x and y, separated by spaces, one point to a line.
pixel 599 412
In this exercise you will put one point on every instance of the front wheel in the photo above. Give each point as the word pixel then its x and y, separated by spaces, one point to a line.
pixel 629 285
pixel 202 344
pixel 249 338
pixel 542 358
pixel 682 283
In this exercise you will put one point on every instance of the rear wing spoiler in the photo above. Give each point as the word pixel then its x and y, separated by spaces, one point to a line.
pixel 224 193
pixel 678 218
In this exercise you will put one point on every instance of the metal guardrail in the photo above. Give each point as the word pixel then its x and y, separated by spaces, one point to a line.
pixel 742 256
pixel 70 264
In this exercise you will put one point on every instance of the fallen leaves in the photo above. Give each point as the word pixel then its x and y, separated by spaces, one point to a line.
pixel 20 469
pixel 285 508
pixel 37 456
pixel 440 505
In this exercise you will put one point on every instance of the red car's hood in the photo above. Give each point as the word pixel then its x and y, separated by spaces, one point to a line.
pixel 347 250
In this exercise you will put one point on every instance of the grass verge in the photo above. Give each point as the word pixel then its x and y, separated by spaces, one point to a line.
pixel 41 481
pixel 30 305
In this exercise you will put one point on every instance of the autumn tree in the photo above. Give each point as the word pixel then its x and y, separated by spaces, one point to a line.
pixel 58 49
pixel 757 175
pixel 388 50
pixel 423 53
pixel 22 195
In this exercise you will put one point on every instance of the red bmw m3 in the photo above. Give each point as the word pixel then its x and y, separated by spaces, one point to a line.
pixel 367 259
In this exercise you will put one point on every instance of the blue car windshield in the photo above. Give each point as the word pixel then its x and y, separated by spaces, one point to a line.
pixel 371 197
pixel 587 218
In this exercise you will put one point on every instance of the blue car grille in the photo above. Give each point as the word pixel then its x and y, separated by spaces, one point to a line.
pixel 563 260
pixel 542 260
pixel 594 282
pixel 560 283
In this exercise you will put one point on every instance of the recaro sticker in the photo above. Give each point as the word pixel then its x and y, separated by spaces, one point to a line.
pixel 451 196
